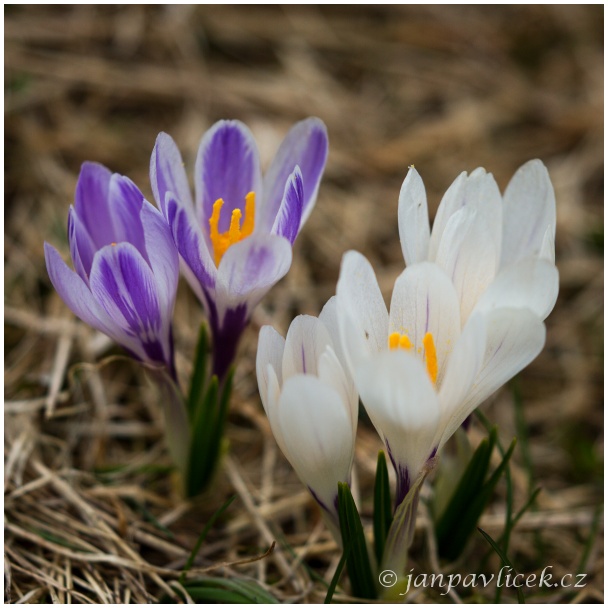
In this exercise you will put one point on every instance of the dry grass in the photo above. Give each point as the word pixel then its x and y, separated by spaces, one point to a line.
pixel 92 513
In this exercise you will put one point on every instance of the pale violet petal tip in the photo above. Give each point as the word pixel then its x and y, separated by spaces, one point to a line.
pixel 167 173
pixel 289 217
pixel 306 145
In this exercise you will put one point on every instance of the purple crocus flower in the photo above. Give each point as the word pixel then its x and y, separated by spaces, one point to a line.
pixel 235 239
pixel 126 265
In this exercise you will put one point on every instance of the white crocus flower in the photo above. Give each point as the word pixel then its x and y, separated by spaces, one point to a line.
pixel 466 314
pixel 311 403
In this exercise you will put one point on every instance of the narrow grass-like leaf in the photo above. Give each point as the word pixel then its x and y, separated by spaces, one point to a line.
pixel 336 577
pixel 199 373
pixel 522 431
pixel 148 516
pixel 358 564
pixel 382 506
pixel 454 539
pixel 203 536
pixel 229 591
pixel 224 591
pixel 456 513
pixel 506 535
pixel 505 562
pixel 203 432
pixel 208 434
pixel 597 518
pixel 522 511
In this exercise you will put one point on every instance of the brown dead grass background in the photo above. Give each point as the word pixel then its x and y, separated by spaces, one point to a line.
pixel 91 508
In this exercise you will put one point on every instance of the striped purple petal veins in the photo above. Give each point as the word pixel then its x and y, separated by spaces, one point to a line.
pixel 465 316
pixel 235 236
pixel 126 265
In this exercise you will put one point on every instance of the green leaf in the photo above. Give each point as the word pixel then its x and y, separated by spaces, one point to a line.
pixel 336 577
pixel 505 562
pixel 359 568
pixel 199 373
pixel 456 513
pixel 470 499
pixel 382 506
pixel 207 434
pixel 227 591
pixel 203 536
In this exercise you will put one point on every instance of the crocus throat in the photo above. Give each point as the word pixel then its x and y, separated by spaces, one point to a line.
pixel 397 340
pixel 237 231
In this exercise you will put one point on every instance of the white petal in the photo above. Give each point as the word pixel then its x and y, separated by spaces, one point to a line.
pixel 331 373
pixel 469 256
pixel 403 406
pixel 270 352
pixel 362 313
pixel 547 249
pixel 306 341
pixel 463 367
pixel 271 404
pixel 477 192
pixel 329 318
pixel 318 435
pixel 531 283
pixel 414 230
pixel 425 301
pixel 515 337
pixel 529 209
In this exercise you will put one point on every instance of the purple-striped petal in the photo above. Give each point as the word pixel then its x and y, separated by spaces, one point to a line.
pixel 306 146
pixel 167 173
pixel 192 247
pixel 75 292
pixel 125 201
pixel 162 255
pixel 91 203
pixel 82 247
pixel 227 167
pixel 249 269
pixel 123 284
pixel 287 222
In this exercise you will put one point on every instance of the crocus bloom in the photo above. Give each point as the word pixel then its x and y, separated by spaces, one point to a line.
pixel 126 265
pixel 311 403
pixel 235 239
pixel 466 314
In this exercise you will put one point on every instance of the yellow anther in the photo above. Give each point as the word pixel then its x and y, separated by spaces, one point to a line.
pixel 431 356
pixel 113 244
pixel 393 340
pixel 234 233
pixel 397 340
pixel 405 342
pixel 249 221
pixel 222 240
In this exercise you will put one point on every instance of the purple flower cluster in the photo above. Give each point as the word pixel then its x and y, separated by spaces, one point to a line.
pixel 234 238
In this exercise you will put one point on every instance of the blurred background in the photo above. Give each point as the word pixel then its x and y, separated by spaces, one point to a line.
pixel 446 88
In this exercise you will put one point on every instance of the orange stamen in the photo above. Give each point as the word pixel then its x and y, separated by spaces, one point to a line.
pixel 397 340
pixel 430 354
pixel 221 241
